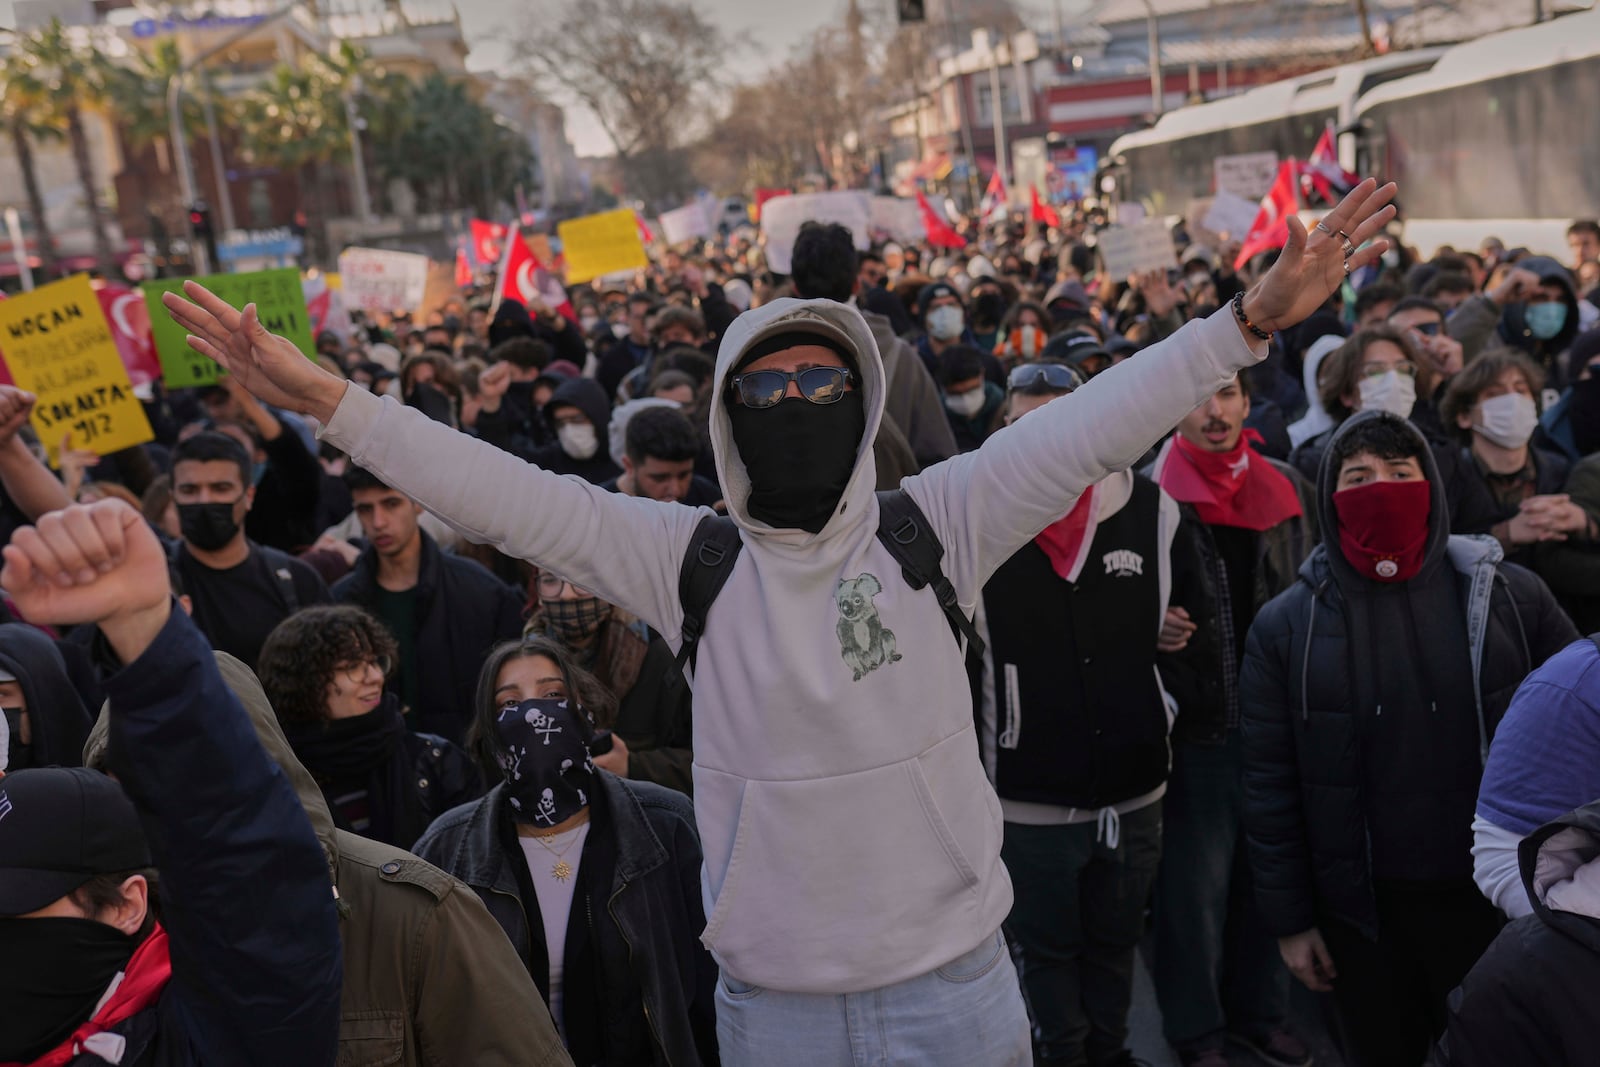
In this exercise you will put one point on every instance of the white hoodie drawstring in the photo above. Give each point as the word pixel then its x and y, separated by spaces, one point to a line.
pixel 1110 829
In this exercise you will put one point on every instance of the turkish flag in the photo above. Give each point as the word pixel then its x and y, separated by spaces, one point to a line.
pixel 994 198
pixel 527 281
pixel 1271 227
pixel 940 233
pixel 646 234
pixel 1042 212
pixel 1323 177
pixel 763 194
pixel 487 238
pixel 463 269
pixel 125 310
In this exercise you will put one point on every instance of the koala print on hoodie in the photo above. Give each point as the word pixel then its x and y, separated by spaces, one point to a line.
pixel 863 639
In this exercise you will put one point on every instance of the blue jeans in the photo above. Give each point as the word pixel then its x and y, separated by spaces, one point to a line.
pixel 965 1014
pixel 1215 968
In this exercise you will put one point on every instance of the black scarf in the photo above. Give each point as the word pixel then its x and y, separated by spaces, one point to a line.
pixel 52 974
pixel 799 456
pixel 367 750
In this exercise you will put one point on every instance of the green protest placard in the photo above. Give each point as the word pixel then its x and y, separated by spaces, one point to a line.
pixel 279 301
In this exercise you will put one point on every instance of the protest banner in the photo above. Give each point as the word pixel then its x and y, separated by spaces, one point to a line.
pixel 782 218
pixel 686 223
pixel 894 218
pixel 58 345
pixel 601 244
pixel 376 279
pixel 1248 175
pixel 1230 215
pixel 280 302
pixel 1133 249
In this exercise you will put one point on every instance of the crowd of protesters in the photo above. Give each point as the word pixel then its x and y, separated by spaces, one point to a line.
pixel 429 747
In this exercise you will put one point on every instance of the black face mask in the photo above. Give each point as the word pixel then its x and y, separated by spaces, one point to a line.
pixel 545 760
pixel 800 457
pixel 1583 410
pixel 207 527
pixel 988 309
pixel 20 756
pixel 52 974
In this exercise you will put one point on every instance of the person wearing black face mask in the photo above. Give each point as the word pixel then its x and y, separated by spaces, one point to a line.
pixel 240 589
pixel 988 310
pixel 45 716
pixel 593 878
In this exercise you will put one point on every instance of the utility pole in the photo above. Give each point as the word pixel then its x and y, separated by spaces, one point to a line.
pixel 358 159
pixel 1153 43
pixel 961 98
pixel 997 115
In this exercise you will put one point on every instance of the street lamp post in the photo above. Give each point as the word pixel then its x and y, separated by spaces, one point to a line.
pixel 1153 43
pixel 358 163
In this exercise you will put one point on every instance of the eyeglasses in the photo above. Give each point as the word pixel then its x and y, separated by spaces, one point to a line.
pixel 1406 369
pixel 359 669
pixel 1054 375
pixel 550 587
pixel 819 385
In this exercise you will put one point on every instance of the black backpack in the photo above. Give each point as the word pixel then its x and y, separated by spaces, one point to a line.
pixel 902 528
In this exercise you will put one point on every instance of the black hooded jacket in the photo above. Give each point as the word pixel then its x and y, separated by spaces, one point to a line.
pixel 1367 710
pixel 1514 329
pixel 58 723
pixel 511 319
pixel 1530 999
pixel 589 397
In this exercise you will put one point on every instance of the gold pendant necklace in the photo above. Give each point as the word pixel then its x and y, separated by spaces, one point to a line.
pixel 562 870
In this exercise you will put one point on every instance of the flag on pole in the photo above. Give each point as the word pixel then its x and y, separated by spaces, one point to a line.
pixel 487 241
pixel 1039 211
pixel 526 280
pixel 940 232
pixel 1322 175
pixel 463 269
pixel 1271 227
pixel 994 198
pixel 646 234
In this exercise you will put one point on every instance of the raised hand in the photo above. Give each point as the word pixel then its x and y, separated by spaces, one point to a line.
pixel 16 406
pixel 91 563
pixel 270 368
pixel 1312 266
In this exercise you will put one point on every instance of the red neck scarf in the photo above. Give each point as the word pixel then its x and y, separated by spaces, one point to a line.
pixel 1066 540
pixel 1234 488
pixel 1383 528
pixel 141 982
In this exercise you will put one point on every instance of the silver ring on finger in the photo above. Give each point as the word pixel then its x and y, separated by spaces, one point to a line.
pixel 1347 265
pixel 1349 249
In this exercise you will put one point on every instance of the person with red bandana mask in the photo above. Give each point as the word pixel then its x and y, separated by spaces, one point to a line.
pixel 1370 690
pixel 1073 732
pixel 1248 524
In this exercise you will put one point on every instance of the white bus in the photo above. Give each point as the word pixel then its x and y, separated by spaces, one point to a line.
pixel 1500 138
pixel 1170 164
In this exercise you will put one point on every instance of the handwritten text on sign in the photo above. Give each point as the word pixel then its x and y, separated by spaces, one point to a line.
pixel 1134 249
pixel 376 279
pixel 601 244
pixel 280 302
pixel 59 347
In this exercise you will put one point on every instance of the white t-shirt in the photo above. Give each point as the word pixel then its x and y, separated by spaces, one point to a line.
pixel 555 898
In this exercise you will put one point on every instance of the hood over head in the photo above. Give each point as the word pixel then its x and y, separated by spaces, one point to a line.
pixel 1514 325
pixel 588 396
pixel 511 319
pixel 934 291
pixel 1328 478
pixel 837 325
pixel 881 301
pixel 1561 869
pixel 247 689
pixel 57 719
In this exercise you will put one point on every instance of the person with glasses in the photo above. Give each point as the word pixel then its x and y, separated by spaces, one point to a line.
pixel 240 590
pixel 852 880
pixel 1074 738
pixel 323 670
pixel 445 611
pixel 653 725
pixel 595 880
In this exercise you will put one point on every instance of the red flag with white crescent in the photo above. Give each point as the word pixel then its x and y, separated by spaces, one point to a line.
pixel 1271 227
pixel 527 280
pixel 125 310
pixel 487 241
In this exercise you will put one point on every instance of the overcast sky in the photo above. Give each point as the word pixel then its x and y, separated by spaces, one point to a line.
pixel 773 25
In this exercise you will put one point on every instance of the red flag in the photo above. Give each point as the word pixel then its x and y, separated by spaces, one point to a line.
pixel 1042 212
pixel 646 234
pixel 125 310
pixel 1322 175
pixel 940 234
pixel 463 269
pixel 526 280
pixel 764 194
pixel 994 198
pixel 1271 227
pixel 486 241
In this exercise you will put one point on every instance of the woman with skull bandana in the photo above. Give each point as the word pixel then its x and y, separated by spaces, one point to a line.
pixel 595 879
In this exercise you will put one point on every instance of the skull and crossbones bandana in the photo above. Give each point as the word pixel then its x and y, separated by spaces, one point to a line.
pixel 548 773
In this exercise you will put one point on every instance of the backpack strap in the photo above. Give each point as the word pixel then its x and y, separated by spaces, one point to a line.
pixel 904 530
pixel 286 589
pixel 712 553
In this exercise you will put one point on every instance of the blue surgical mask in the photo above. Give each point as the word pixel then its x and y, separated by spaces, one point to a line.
pixel 1545 320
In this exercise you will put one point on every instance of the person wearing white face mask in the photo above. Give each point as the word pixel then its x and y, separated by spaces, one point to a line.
pixel 943 316
pixel 972 403
pixel 1492 403
pixel 1375 370
pixel 581 418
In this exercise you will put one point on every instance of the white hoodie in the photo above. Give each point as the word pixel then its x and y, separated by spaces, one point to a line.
pixel 851 838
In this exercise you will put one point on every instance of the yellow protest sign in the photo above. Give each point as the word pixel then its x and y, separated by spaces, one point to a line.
pixel 58 346
pixel 601 244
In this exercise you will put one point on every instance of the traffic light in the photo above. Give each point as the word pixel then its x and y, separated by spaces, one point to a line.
pixel 200 221
pixel 911 11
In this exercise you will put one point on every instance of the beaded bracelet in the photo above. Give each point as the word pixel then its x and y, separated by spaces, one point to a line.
pixel 1238 313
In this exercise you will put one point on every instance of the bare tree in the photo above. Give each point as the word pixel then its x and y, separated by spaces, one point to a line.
pixel 643 68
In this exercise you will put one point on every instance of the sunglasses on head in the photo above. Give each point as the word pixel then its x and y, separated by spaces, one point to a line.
pixel 1054 375
pixel 766 388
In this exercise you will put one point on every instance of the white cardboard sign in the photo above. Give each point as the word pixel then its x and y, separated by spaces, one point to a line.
pixel 1249 174
pixel 376 279
pixel 1231 215
pixel 782 217
pixel 1133 249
